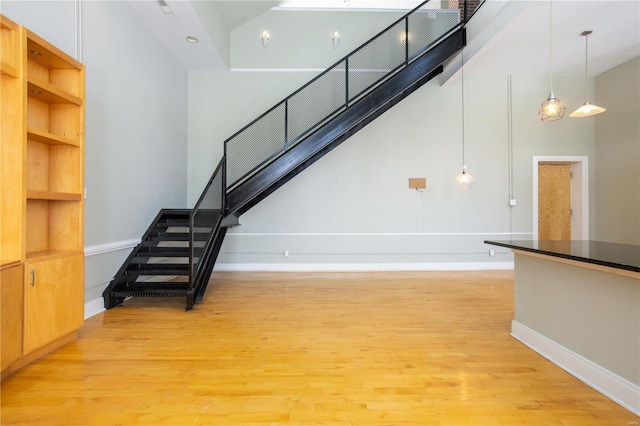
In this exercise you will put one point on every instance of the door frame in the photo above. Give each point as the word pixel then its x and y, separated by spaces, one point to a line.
pixel 579 192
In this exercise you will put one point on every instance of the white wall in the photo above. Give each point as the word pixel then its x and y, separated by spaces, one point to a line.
pixel 220 104
pixel 354 207
pixel 591 312
pixel 136 122
pixel 136 131
pixel 293 32
pixel 55 21
pixel 618 154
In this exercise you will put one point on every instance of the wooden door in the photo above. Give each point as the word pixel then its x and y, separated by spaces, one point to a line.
pixel 554 201
pixel 54 299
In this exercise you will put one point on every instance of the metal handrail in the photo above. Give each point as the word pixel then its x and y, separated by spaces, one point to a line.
pixel 221 171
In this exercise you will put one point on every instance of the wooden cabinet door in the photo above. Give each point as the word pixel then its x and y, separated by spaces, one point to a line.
pixel 54 299
pixel 11 314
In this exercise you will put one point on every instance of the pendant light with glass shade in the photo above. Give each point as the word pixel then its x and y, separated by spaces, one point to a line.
pixel 552 109
pixel 464 180
pixel 587 109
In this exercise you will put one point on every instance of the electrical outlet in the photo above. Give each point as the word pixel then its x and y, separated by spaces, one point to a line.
pixel 286 253
pixel 512 202
pixel 492 253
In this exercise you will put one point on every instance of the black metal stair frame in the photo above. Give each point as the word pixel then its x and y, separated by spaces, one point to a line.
pixel 142 262
pixel 177 253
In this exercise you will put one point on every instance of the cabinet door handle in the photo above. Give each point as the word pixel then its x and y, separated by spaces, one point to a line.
pixel 33 278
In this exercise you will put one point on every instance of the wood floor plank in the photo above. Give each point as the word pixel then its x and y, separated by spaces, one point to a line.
pixel 308 349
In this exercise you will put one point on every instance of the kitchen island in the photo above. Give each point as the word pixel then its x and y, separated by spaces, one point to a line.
pixel 577 303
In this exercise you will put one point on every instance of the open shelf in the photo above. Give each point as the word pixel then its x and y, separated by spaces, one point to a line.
pixel 50 94
pixel 49 138
pixel 53 225
pixel 44 53
pixel 53 196
pixel 51 254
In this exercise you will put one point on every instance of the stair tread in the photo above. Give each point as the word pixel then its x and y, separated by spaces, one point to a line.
pixel 154 244
pixel 151 284
pixel 125 289
pixel 171 254
pixel 156 272
pixel 157 266
pixel 180 234
pixel 181 229
pixel 168 238
pixel 153 289
pixel 143 261
pixel 177 214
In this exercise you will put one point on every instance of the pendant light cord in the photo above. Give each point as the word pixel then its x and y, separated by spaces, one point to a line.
pixel 462 91
pixel 550 46
pixel 586 65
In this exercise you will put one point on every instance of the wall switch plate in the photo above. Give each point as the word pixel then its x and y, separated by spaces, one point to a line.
pixel 512 202
pixel 286 253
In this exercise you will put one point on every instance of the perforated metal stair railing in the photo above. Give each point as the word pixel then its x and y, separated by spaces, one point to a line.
pixel 340 86
pixel 288 124
pixel 307 124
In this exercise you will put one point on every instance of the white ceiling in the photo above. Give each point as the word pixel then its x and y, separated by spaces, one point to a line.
pixel 513 40
pixel 237 13
pixel 521 44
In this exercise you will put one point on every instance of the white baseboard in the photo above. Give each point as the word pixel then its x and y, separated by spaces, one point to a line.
pixel 93 307
pixel 364 267
pixel 599 378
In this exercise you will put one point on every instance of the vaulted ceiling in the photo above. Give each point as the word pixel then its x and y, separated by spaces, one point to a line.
pixel 509 37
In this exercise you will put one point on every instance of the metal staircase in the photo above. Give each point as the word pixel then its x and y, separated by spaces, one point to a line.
pixel 177 253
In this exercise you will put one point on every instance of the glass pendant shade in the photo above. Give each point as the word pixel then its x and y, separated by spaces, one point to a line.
pixel 464 180
pixel 587 109
pixel 552 109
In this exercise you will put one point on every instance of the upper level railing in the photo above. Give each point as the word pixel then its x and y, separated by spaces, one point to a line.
pixel 289 121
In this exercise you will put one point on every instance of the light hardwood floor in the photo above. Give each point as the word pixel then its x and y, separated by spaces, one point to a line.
pixel 333 349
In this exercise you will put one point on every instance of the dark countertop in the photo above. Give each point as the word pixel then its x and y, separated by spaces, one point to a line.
pixel 620 256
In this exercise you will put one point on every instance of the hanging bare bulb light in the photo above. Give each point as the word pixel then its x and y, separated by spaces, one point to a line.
pixel 552 109
pixel 463 180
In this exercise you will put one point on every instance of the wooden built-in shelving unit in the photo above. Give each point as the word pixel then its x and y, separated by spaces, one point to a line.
pixel 42 222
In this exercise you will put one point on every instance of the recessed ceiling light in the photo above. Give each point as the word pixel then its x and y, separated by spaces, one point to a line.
pixel 192 39
pixel 35 52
